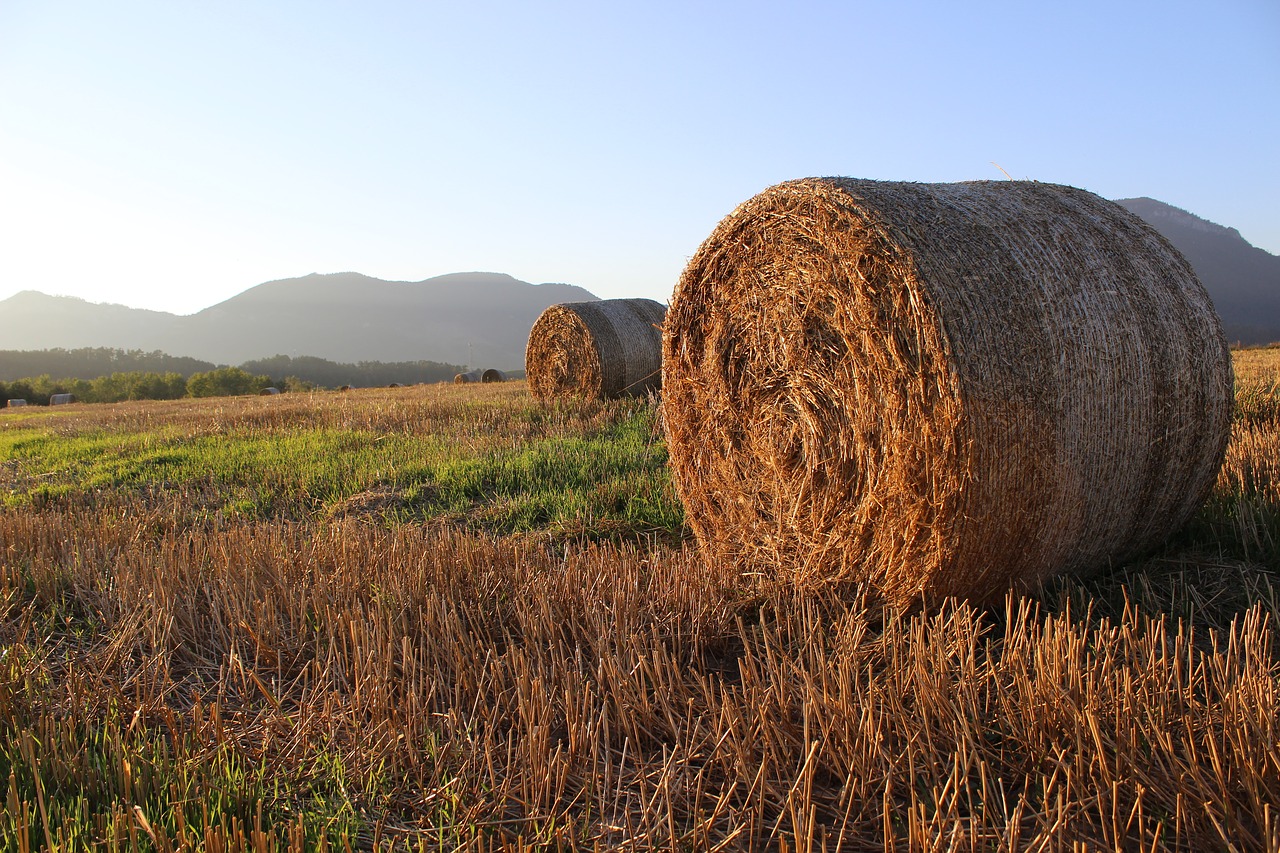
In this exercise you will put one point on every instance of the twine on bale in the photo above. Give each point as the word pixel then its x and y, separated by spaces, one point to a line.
pixel 609 348
pixel 930 390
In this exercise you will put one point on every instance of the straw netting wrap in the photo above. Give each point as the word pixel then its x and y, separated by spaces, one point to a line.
pixel 469 376
pixel 608 348
pixel 939 389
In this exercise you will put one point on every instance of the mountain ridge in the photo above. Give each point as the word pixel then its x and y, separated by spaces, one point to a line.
pixel 457 318
pixel 1154 210
pixel 1242 280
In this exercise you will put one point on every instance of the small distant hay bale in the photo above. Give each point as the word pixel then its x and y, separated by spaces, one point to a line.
pixel 468 377
pixel 493 375
pixel 61 399
pixel 269 391
pixel 395 385
pixel 344 387
pixel 931 390
pixel 608 348
pixel 16 403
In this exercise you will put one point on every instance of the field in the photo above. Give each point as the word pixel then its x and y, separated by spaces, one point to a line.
pixel 448 617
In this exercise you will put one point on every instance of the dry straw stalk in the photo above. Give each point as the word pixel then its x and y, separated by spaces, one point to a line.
pixel 608 348
pixel 939 389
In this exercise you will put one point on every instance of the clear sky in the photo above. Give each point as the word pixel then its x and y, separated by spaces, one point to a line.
pixel 169 154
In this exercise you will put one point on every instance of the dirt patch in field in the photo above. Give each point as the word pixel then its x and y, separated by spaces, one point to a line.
pixel 371 503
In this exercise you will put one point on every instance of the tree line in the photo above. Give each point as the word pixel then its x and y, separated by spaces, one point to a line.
pixel 365 374
pixel 91 362
pixel 135 376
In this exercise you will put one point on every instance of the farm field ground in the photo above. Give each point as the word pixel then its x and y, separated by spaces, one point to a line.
pixel 448 617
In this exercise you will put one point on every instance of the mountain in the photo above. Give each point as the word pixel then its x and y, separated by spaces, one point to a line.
pixel 1242 280
pixel 474 318
pixel 32 320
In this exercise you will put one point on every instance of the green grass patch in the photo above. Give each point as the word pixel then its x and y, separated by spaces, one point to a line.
pixel 116 780
pixel 576 473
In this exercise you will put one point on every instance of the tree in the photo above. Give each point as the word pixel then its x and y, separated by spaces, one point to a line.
pixel 225 382
pixel 19 390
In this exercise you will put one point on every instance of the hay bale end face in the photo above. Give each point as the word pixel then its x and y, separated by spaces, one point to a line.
pixel 931 390
pixel 493 375
pixel 608 348
pixel 468 377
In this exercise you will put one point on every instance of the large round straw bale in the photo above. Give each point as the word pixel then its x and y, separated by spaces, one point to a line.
pixel 608 348
pixel 469 376
pixel 939 389
pixel 493 374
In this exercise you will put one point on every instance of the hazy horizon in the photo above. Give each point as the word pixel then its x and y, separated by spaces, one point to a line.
pixel 273 281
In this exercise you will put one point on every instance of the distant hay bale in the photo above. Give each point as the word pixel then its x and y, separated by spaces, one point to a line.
pixel 608 348
pixel 493 375
pixel 344 387
pixel 939 389
pixel 269 391
pixel 16 402
pixel 61 399
pixel 469 376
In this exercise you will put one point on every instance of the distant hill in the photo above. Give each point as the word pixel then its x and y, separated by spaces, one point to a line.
pixel 478 318
pixel 1242 280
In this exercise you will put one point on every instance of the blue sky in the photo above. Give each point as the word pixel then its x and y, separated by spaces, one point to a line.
pixel 169 155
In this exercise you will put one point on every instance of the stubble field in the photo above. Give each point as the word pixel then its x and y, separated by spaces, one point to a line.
pixel 449 617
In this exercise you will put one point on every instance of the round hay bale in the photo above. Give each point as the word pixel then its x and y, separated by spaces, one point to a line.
pixel 269 391
pixel 608 348
pixel 931 390
pixel 469 376
pixel 493 375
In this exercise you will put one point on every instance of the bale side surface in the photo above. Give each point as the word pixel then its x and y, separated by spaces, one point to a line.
pixel 609 348
pixel 936 390
pixel 493 375
pixel 469 376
